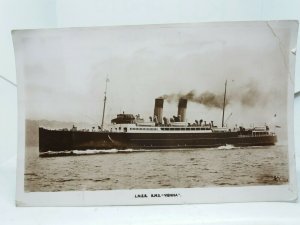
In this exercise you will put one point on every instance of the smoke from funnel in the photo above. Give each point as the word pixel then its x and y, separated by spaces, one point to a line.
pixel 207 98
pixel 246 95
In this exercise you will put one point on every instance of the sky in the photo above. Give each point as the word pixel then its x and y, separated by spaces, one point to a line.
pixel 64 70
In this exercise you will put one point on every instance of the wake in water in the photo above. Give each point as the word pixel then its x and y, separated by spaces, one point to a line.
pixel 226 147
pixel 231 147
pixel 114 151
pixel 91 152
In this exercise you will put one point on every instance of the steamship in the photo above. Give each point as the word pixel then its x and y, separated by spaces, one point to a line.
pixel 128 131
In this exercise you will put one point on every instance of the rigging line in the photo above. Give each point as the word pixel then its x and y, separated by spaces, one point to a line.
pixel 8 81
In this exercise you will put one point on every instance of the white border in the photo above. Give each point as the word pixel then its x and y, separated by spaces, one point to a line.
pixel 126 197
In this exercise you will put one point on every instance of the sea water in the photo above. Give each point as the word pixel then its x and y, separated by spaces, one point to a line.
pixel 176 168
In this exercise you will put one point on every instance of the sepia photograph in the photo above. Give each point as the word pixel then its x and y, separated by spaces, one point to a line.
pixel 177 108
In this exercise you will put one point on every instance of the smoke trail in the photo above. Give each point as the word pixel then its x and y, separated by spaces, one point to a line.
pixel 207 98
pixel 250 95
pixel 247 95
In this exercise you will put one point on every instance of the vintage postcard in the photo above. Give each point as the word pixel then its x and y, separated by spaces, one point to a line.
pixel 156 114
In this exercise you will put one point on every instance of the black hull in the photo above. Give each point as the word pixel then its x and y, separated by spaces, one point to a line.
pixel 54 140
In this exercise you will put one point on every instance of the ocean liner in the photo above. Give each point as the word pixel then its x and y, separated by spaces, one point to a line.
pixel 128 131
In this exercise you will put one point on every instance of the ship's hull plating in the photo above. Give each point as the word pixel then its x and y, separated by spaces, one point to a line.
pixel 54 140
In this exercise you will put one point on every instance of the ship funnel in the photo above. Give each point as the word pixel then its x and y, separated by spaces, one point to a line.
pixel 158 109
pixel 182 104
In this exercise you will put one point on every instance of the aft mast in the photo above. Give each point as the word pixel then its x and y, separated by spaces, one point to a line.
pixel 224 103
pixel 104 103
